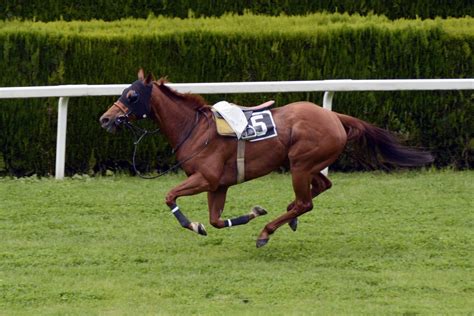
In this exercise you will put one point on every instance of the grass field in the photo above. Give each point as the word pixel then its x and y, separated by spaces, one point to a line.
pixel 375 243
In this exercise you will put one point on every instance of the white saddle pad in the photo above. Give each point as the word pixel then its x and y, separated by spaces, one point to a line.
pixel 233 115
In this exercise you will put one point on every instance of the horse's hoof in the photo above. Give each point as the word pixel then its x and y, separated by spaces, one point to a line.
pixel 202 230
pixel 262 242
pixel 293 224
pixel 259 211
pixel 199 228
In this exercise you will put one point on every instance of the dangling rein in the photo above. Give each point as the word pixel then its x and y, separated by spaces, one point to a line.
pixel 144 132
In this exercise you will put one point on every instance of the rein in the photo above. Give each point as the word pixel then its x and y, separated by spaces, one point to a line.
pixel 196 120
pixel 144 132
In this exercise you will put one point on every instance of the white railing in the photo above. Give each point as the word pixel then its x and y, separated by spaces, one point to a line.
pixel 64 92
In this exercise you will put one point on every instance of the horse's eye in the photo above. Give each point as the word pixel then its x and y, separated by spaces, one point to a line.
pixel 133 96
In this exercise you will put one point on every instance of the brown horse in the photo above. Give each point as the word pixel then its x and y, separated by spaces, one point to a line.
pixel 309 139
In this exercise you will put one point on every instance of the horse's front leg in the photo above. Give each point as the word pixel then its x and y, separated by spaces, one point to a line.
pixel 196 183
pixel 216 201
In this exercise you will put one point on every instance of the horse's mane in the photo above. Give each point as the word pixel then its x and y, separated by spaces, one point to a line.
pixel 195 101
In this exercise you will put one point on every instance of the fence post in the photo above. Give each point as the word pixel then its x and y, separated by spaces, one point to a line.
pixel 327 100
pixel 327 104
pixel 61 138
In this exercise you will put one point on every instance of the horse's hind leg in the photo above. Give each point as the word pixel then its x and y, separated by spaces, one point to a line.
pixel 216 201
pixel 319 184
pixel 302 204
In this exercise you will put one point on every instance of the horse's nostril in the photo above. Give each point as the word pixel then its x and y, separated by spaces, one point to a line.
pixel 104 120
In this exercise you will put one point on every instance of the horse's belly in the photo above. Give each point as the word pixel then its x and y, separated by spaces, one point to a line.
pixel 264 157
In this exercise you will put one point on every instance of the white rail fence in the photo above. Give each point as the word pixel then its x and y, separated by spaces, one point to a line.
pixel 64 92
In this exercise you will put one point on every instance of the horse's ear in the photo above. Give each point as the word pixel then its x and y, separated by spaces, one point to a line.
pixel 150 78
pixel 141 74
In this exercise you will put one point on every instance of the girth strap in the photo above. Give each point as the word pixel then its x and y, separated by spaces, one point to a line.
pixel 240 161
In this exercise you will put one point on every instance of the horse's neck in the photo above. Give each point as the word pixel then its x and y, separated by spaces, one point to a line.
pixel 175 118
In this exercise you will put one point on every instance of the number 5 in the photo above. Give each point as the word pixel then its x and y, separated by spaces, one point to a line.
pixel 260 127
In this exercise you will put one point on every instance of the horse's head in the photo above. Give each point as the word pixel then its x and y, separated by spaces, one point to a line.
pixel 134 103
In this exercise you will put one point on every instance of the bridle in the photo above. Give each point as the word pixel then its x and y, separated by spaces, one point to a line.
pixel 126 113
pixel 140 133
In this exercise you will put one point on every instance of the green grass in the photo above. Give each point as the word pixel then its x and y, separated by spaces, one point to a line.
pixel 375 243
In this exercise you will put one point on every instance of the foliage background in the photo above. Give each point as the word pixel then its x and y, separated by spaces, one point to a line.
pixel 232 48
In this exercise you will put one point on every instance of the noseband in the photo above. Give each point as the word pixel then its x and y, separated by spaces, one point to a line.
pixel 126 113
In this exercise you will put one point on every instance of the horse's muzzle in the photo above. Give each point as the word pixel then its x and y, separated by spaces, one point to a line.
pixel 108 123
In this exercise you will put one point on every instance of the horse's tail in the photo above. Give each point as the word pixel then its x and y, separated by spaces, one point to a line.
pixel 381 146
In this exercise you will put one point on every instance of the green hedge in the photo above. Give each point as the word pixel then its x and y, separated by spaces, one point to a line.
pixel 50 10
pixel 231 48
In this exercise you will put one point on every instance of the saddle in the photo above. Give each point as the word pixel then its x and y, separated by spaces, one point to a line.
pixel 250 132
pixel 260 107
pixel 224 129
